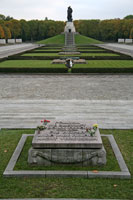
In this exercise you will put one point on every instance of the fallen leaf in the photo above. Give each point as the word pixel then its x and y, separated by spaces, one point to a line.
pixel 95 171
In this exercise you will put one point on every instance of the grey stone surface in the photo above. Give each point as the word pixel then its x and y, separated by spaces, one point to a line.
pixel 128 41
pixel 18 40
pixel 9 172
pixel 78 157
pixel 28 113
pixel 69 26
pixel 67 143
pixel 26 99
pixel 67 134
pixel 69 53
pixel 65 87
pixel 120 40
pixel 2 41
pixel 120 48
pixel 9 50
pixel 11 41
pixel 60 61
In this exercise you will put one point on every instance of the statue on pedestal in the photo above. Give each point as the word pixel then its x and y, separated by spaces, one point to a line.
pixel 69 14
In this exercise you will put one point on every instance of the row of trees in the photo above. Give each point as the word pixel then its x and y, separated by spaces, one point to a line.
pixel 105 30
pixel 29 30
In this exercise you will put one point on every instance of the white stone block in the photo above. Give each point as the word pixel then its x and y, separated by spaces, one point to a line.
pixel 11 41
pixel 120 40
pixel 2 41
pixel 18 40
pixel 128 41
pixel 70 27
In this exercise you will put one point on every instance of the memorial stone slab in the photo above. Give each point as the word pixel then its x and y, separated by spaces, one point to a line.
pixel 128 41
pixel 18 40
pixel 67 143
pixel 120 40
pixel 69 27
pixel 11 41
pixel 2 41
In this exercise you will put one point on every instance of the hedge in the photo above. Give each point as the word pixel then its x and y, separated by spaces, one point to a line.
pixel 33 70
pixel 101 70
pixel 59 56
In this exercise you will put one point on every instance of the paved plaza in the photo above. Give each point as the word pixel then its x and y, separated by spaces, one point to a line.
pixel 106 99
pixel 26 99
pixel 9 50
pixel 120 48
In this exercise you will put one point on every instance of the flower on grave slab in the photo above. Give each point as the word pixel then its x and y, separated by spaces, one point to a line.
pixel 95 126
pixel 92 130
pixel 44 125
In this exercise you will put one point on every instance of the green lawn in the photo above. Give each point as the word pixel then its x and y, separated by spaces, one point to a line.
pixel 111 161
pixel 81 39
pixel 106 64
pixel 82 54
pixel 58 39
pixel 64 187
pixel 36 50
pixel 29 64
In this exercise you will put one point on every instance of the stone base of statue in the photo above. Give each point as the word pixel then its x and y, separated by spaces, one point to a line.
pixel 70 28
pixel 67 143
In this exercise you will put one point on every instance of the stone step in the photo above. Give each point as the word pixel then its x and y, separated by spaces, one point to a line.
pixel 28 113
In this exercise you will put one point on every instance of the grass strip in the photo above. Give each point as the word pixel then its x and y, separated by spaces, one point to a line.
pixel 65 187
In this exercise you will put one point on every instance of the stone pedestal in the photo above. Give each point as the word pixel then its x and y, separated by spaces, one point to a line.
pixel 2 41
pixel 67 143
pixel 11 41
pixel 69 28
pixel 19 41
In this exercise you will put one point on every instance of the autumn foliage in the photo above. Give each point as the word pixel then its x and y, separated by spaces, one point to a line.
pixel 33 30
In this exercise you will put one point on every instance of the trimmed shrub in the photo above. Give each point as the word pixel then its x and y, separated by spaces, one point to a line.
pixel 101 70
pixel 32 70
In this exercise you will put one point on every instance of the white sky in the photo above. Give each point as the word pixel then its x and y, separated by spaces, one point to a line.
pixel 56 9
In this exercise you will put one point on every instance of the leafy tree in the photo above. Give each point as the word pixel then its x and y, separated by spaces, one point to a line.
pixel 129 17
pixel 25 30
pixel 2 17
pixel 2 35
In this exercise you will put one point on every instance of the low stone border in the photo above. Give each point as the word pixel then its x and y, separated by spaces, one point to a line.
pixel 123 174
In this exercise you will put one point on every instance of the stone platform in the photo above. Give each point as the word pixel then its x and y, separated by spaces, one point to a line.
pixel 67 143
pixel 69 53
pixel 63 61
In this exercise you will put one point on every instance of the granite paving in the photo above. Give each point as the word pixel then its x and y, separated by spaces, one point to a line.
pixel 106 99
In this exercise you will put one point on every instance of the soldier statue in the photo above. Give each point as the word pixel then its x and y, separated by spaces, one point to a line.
pixel 69 14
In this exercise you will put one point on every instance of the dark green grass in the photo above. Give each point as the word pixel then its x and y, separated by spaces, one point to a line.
pixel 111 161
pixel 47 63
pixel 106 64
pixel 45 50
pixel 29 64
pixel 80 39
pixel 58 39
pixel 82 54
pixel 65 187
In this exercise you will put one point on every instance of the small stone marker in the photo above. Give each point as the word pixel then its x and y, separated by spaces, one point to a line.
pixel 128 41
pixel 67 143
pixel 11 41
pixel 2 41
pixel 120 40
pixel 18 40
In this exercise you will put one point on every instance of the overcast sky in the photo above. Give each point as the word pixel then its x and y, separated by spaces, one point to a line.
pixel 56 9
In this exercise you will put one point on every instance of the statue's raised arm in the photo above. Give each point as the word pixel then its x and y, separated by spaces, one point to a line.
pixel 69 14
